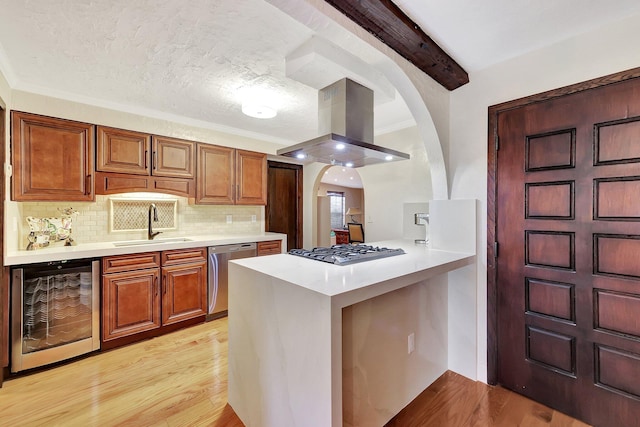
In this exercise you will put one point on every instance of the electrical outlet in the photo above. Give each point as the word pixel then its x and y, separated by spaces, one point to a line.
pixel 253 218
pixel 229 219
pixel 411 343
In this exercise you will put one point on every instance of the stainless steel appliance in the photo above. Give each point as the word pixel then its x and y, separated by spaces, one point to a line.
pixel 217 289
pixel 346 254
pixel 55 312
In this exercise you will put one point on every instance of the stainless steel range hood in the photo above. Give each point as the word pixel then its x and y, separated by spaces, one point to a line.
pixel 345 118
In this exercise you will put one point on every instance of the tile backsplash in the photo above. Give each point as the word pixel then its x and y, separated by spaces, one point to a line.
pixel 92 224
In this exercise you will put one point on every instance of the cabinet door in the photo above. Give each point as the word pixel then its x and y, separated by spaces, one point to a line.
pixel 270 247
pixel 251 178
pixel 173 157
pixel 215 175
pixel 122 151
pixel 131 303
pixel 184 292
pixel 52 159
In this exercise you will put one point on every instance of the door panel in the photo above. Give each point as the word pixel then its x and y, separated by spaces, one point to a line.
pixel 184 292
pixel 284 202
pixel 173 157
pixel 122 151
pixel 568 270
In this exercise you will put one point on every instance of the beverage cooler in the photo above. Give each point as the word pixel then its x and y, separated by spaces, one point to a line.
pixel 55 312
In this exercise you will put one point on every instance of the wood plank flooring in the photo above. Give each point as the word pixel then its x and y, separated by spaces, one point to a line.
pixel 180 379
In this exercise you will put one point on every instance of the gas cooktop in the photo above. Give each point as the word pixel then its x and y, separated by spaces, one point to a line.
pixel 346 254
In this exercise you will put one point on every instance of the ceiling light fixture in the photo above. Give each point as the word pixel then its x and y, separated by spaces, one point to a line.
pixel 258 111
pixel 349 164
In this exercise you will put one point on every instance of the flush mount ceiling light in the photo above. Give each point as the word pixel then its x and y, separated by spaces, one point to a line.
pixel 259 111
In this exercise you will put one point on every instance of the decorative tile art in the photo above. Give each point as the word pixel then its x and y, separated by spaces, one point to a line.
pixel 133 214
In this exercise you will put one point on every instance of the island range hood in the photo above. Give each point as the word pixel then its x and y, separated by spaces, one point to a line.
pixel 345 120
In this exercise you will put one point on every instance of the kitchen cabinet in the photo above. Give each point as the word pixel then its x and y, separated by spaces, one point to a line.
pixel 251 178
pixel 145 293
pixel 130 295
pixel 131 152
pixel 270 247
pixel 135 161
pixel 229 176
pixel 52 158
pixel 184 285
pixel 122 151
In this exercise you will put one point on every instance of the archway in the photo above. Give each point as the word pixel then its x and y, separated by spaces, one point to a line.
pixel 338 190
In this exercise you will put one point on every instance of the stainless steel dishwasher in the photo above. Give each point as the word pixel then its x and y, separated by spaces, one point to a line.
pixel 217 289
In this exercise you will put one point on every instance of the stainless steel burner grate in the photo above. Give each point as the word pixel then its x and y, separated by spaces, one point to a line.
pixel 346 254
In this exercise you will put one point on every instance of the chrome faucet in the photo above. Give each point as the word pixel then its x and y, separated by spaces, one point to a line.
pixel 152 209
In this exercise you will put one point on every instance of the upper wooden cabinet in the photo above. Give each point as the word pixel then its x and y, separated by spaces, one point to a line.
pixel 229 176
pixel 215 183
pixel 52 158
pixel 173 157
pixel 251 178
pixel 122 151
pixel 125 151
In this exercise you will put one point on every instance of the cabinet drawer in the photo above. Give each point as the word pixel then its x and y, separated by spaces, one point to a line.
pixel 181 256
pixel 129 262
pixel 269 248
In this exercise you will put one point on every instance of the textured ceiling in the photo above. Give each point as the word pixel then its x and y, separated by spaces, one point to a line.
pixel 478 34
pixel 193 61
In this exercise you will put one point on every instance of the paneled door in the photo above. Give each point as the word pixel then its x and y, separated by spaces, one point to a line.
pixel 568 261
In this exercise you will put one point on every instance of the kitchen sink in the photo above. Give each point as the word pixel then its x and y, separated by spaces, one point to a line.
pixel 151 242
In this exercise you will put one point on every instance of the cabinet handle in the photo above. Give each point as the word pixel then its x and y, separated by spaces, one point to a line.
pixel 146 152
pixel 155 160
pixel 155 284
pixel 164 283
pixel 87 185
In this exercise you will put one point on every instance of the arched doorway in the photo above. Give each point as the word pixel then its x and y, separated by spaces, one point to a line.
pixel 339 200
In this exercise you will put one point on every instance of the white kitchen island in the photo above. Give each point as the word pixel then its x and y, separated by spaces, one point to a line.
pixel 315 344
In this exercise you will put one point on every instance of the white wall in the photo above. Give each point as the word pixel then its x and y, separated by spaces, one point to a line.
pixel 388 186
pixel 603 51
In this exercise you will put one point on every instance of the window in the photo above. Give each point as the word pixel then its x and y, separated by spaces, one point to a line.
pixel 336 199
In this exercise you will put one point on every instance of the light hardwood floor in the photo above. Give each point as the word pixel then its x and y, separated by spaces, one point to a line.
pixel 180 379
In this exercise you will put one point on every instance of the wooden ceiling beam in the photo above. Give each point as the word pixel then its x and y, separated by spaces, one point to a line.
pixel 387 22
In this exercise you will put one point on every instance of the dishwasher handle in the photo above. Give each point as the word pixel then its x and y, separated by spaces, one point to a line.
pixel 222 249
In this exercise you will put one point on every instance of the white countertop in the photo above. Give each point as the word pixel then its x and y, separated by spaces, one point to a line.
pixel 93 250
pixel 418 263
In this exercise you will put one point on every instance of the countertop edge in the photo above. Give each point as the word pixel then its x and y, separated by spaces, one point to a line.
pixel 102 249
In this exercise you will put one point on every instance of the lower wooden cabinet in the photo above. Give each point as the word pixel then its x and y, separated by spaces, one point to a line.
pixel 131 303
pixel 143 296
pixel 269 247
pixel 183 294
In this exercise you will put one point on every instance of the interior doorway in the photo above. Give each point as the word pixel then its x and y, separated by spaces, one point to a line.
pixel 283 213
pixel 340 201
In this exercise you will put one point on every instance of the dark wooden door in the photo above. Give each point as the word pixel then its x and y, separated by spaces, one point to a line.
pixel 568 265
pixel 284 202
